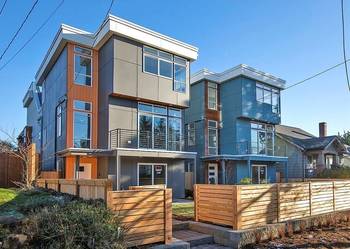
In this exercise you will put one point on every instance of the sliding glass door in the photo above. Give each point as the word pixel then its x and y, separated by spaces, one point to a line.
pixel 152 174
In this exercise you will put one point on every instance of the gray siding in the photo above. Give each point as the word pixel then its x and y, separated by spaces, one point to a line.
pixel 55 87
pixel 34 122
pixel 175 173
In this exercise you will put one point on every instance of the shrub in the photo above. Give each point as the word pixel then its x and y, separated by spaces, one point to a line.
pixel 336 173
pixel 78 224
pixel 245 181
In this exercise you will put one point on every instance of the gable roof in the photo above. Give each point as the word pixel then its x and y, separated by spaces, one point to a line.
pixel 293 132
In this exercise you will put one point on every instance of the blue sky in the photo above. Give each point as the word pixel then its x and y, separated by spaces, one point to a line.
pixel 289 39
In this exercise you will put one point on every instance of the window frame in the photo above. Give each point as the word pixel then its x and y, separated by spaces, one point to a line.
pixel 271 92
pixel 266 129
pixel 175 81
pixel 214 87
pixel 85 112
pixel 216 135
pixel 191 133
pixel 152 164
pixel 76 53
pixel 59 121
pixel 158 58
pixel 260 166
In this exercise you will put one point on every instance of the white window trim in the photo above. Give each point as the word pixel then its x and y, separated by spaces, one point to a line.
pixel 189 129
pixel 216 97
pixel 152 164
pixel 259 166
pixel 59 121
pixel 86 56
pixel 216 129
pixel 158 64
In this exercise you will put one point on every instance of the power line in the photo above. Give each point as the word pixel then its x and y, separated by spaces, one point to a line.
pixel 2 7
pixel 19 29
pixel 32 36
pixel 344 45
pixel 100 28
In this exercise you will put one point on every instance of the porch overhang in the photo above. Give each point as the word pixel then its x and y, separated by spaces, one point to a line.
pixel 155 153
pixel 84 152
pixel 251 157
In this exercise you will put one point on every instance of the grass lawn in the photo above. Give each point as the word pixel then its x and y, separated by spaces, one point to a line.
pixel 183 211
pixel 7 195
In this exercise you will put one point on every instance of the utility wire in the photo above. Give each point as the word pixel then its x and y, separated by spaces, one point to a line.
pixel 2 7
pixel 32 36
pixel 19 29
pixel 344 45
pixel 100 28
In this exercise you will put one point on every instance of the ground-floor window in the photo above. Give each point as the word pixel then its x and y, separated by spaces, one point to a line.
pixel 259 174
pixel 151 174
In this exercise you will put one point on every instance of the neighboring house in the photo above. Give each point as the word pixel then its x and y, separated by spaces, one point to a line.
pixel 306 153
pixel 111 104
pixel 345 160
pixel 230 124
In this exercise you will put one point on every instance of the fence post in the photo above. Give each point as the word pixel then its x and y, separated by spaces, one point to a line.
pixel 310 197
pixel 196 200
pixel 334 207
pixel 77 188
pixel 109 199
pixel 237 207
pixel 278 202
pixel 59 186
pixel 168 219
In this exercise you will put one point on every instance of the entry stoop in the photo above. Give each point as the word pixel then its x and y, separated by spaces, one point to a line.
pixel 193 238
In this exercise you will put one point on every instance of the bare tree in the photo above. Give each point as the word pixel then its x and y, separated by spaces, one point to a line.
pixel 21 149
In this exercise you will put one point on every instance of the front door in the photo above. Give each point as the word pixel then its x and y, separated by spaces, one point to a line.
pixel 259 174
pixel 213 173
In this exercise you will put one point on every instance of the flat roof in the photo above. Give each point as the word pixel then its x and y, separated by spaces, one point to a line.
pixel 113 25
pixel 236 71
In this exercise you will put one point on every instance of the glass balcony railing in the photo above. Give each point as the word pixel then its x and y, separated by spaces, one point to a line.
pixel 246 147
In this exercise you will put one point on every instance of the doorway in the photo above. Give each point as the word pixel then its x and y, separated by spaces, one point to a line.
pixel 259 174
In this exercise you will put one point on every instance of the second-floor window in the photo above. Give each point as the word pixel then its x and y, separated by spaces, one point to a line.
pixel 59 120
pixel 212 137
pixel 262 139
pixel 82 124
pixel 82 66
pixel 159 127
pixel 191 134
pixel 268 95
pixel 212 96
pixel 166 65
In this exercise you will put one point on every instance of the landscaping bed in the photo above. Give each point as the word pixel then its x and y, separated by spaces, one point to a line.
pixel 40 218
pixel 329 236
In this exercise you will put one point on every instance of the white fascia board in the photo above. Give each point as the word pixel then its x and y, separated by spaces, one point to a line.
pixel 124 28
pixel 237 71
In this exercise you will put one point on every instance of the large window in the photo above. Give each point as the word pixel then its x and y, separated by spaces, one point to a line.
pixel 151 174
pixel 262 139
pixel 212 96
pixel 82 66
pixel 159 127
pixel 191 134
pixel 166 65
pixel 82 124
pixel 268 95
pixel 212 137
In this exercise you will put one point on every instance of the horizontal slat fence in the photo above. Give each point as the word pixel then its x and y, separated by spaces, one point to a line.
pixel 83 188
pixel 248 206
pixel 145 214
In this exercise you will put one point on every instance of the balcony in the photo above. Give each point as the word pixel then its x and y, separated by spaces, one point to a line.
pixel 245 148
pixel 134 139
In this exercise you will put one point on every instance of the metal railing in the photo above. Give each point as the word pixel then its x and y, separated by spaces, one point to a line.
pixel 125 138
pixel 245 147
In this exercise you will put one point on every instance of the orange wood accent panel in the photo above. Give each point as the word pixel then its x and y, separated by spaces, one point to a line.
pixel 84 93
pixel 70 166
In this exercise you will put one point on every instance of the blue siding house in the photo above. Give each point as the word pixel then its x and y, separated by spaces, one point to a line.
pixel 231 125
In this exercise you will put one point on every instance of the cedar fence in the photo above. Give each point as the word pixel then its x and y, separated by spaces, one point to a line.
pixel 145 214
pixel 249 206
pixel 83 188
pixel 11 170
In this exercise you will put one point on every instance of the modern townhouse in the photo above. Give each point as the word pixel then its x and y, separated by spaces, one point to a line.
pixel 111 104
pixel 231 125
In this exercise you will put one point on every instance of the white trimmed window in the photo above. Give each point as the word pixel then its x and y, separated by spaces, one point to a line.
pixel 191 134
pixel 212 137
pixel 82 66
pixel 212 96
pixel 268 95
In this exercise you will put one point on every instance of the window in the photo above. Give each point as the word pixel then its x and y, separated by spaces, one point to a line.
pixel 59 120
pixel 158 62
pixel 268 95
pixel 151 174
pixel 159 127
pixel 262 139
pixel 180 75
pixel 212 137
pixel 82 124
pixel 259 173
pixel 212 96
pixel 191 134
pixel 82 66
pixel 164 64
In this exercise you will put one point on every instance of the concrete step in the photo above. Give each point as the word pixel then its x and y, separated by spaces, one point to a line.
pixel 193 238
pixel 180 225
